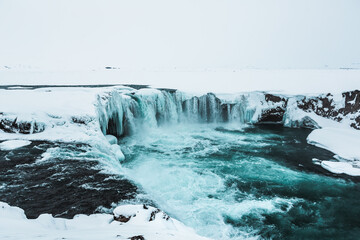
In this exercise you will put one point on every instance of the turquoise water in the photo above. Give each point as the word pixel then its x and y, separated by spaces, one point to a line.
pixel 237 183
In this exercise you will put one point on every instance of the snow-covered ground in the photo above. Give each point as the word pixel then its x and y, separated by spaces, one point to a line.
pixel 199 80
pixel 149 223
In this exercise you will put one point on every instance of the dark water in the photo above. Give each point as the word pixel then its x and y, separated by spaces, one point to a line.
pixel 225 182
pixel 68 182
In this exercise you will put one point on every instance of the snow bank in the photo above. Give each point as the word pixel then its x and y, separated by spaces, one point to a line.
pixel 344 143
pixel 341 141
pixel 15 225
pixel 13 144
pixel 341 168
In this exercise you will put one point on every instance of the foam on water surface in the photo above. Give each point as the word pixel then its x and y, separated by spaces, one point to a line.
pixel 231 183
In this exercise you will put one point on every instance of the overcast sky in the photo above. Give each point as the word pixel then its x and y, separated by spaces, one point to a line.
pixel 181 33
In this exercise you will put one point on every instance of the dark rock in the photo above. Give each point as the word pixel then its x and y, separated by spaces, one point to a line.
pixel 326 107
pixel 81 120
pixel 322 106
pixel 139 237
pixel 122 218
pixel 14 126
pixel 356 124
pixel 166 217
pixel 273 115
pixel 273 98
pixel 307 122
pixel 145 207
pixel 276 113
pixel 352 102
pixel 153 214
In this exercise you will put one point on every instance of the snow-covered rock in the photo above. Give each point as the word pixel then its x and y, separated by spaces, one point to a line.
pixel 15 225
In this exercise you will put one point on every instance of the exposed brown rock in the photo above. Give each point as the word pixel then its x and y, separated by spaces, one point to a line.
pixel 153 214
pixel 325 106
pixel 139 237
pixel 122 218
pixel 14 126
pixel 274 115
pixel 352 102
pixel 273 98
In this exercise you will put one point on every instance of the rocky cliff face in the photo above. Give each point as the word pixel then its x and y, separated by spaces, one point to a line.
pixel 335 108
pixel 25 127
pixel 344 107
pixel 276 113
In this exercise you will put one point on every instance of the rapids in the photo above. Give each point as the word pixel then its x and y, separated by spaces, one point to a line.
pixel 250 182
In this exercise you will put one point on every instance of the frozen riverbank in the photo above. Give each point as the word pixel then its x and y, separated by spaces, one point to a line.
pixel 143 224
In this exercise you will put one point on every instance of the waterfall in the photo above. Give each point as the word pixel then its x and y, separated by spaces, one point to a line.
pixel 123 114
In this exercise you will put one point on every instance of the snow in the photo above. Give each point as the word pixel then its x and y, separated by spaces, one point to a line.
pixel 111 139
pixel 341 141
pixel 344 142
pixel 341 168
pixel 13 144
pixel 15 225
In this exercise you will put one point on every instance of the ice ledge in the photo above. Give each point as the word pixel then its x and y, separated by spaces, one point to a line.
pixel 344 143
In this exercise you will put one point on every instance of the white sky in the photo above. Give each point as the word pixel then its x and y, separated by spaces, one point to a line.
pixel 181 33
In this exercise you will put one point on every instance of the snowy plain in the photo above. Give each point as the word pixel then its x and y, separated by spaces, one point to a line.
pixel 200 81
